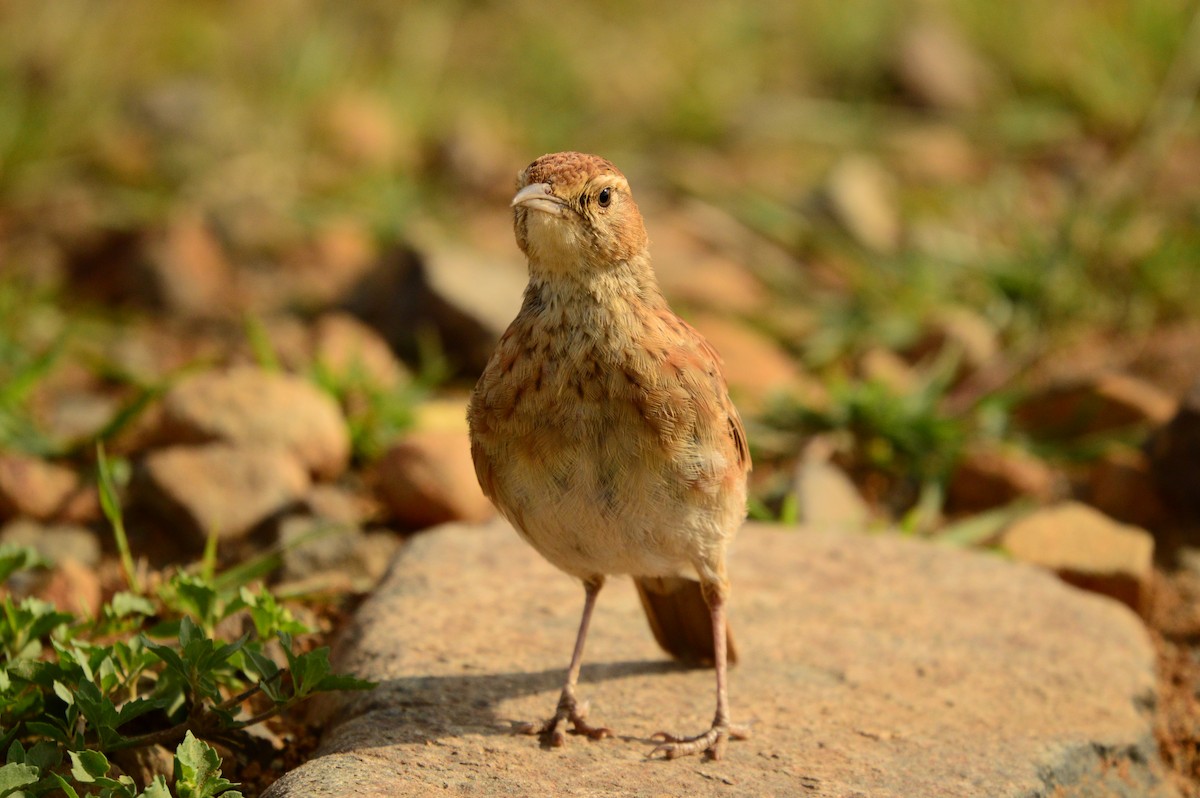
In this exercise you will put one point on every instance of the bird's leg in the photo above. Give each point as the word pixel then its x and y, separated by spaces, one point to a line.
pixel 722 730
pixel 569 710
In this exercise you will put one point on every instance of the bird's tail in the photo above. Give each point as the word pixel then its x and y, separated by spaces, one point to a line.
pixel 680 619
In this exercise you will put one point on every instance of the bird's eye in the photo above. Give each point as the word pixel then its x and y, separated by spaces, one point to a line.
pixel 604 197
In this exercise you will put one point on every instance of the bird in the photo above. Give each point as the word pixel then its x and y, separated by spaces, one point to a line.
pixel 603 430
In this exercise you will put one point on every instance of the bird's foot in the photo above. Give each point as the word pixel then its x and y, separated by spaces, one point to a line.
pixel 552 731
pixel 711 742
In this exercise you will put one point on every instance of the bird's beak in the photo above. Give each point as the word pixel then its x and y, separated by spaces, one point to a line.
pixel 538 197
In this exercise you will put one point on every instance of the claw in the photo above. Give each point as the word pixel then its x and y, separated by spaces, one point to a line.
pixel 551 730
pixel 712 742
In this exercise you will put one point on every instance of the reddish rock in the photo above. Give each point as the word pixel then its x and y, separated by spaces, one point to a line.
pixel 938 69
pixel 219 489
pixel 1087 549
pixel 881 365
pixel 191 273
pixel 1097 403
pixel 71 587
pixel 756 366
pixel 993 476
pixel 324 555
pixel 352 351
pixel 361 129
pixel 39 489
pixel 963 332
pixel 428 478
pixel 935 152
pixel 861 196
pixel 336 503
pixel 55 542
pixel 826 498
pixel 1175 457
pixel 1121 485
pixel 252 407
pixel 695 274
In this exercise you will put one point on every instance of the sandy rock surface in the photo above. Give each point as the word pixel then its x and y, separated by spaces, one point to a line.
pixel 253 407
pixel 872 666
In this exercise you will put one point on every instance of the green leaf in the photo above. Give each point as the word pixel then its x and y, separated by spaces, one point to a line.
pixel 138 707
pixel 125 604
pixel 88 766
pixel 14 776
pixel 157 789
pixel 309 669
pixel 16 753
pixel 194 597
pixel 15 558
pixel 44 755
pixel 198 771
pixel 168 655
pixel 49 730
pixel 65 786
pixel 64 692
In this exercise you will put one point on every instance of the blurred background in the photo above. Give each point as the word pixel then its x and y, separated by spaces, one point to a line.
pixel 948 250
pixel 899 221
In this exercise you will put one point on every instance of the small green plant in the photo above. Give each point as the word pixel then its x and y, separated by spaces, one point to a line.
pixel 906 439
pixel 150 668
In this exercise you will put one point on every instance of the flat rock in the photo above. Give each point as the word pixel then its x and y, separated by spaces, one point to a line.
pixel 827 498
pixel 757 368
pixel 253 407
pixel 220 489
pixel 55 542
pixel 427 478
pixel 871 666
pixel 1174 453
pixel 1088 549
pixel 1093 403
pixel 35 488
pixel 991 475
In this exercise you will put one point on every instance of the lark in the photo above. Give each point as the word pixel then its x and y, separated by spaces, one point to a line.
pixel 603 430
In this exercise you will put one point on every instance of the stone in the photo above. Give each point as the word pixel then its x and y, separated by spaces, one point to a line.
pixel 1087 549
pixel 964 332
pixel 35 488
pixel 178 268
pixel 190 273
pixel 351 351
pixel 883 366
pixel 446 413
pixel 757 367
pixel 936 67
pixel 427 478
pixel 55 542
pixel 826 498
pixel 861 196
pixel 1120 484
pixel 693 273
pixel 990 476
pixel 1094 403
pixel 72 587
pixel 327 556
pixel 935 152
pixel 1174 452
pixel 360 129
pixel 73 416
pixel 220 489
pixel 464 300
pixel 339 504
pixel 252 407
pixel 871 665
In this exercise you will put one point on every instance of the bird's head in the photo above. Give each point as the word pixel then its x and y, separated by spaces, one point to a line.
pixel 575 212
